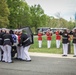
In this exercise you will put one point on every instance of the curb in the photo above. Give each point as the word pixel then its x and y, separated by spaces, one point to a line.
pixel 51 55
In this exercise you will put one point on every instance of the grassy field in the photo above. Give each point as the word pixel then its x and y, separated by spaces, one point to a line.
pixel 44 49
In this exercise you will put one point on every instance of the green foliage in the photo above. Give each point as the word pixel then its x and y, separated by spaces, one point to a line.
pixel 4 13
pixel 71 25
pixel 19 13
pixel 37 15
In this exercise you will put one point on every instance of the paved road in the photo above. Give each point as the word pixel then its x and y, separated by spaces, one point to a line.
pixel 40 65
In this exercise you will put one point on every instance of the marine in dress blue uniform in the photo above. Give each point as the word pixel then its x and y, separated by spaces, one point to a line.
pixel 74 41
pixel 7 42
pixel 65 41
pixel 25 42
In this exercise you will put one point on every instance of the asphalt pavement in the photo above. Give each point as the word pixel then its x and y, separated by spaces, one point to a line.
pixel 41 64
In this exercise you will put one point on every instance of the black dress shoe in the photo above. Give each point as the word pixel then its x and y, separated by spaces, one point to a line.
pixel 15 58
pixel 74 56
pixel 28 60
pixel 64 55
pixel 18 58
pixel 23 60
pixel 3 61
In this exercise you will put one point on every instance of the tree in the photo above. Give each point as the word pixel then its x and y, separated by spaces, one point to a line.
pixel 59 19
pixel 19 13
pixel 43 20
pixel 4 13
pixel 37 14
pixel 71 25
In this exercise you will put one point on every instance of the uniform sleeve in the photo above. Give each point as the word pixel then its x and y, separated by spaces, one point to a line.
pixel 61 33
pixel 11 39
pixel 71 32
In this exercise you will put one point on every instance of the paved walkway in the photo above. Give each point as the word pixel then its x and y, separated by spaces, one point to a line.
pixel 41 64
pixel 51 55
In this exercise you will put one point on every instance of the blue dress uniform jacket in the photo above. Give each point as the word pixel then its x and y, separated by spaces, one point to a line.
pixel 24 40
pixel 65 37
pixel 7 39
pixel 74 37
pixel 1 38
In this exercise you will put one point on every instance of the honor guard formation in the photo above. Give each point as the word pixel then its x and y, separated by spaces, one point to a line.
pixel 65 35
pixel 14 44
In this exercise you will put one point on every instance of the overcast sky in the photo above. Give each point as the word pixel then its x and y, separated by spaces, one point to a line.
pixel 66 8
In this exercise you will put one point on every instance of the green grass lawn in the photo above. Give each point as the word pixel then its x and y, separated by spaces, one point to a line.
pixel 44 49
